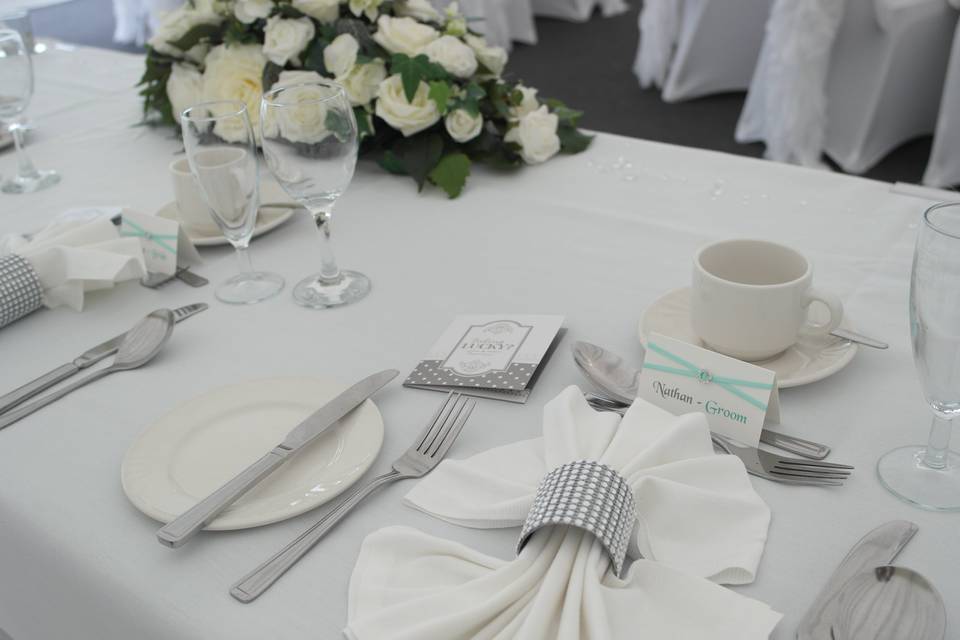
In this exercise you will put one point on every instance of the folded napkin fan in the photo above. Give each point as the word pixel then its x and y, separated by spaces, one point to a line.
pixel 699 523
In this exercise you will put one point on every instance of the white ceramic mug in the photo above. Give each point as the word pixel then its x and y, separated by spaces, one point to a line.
pixel 192 209
pixel 750 298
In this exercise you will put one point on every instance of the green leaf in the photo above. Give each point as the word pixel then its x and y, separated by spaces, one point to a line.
pixel 451 173
pixel 419 155
pixel 360 31
pixel 313 60
pixel 289 11
pixel 364 122
pixel 195 35
pixel 571 140
pixel 414 70
pixel 239 33
pixel 271 73
pixel 392 163
pixel 440 93
pixel 339 124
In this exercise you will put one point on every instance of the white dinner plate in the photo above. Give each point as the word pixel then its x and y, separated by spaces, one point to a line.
pixel 195 448
pixel 812 358
pixel 268 218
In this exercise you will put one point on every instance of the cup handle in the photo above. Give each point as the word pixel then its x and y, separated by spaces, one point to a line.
pixel 832 303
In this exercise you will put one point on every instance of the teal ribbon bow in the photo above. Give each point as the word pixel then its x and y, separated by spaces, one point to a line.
pixel 690 370
pixel 136 231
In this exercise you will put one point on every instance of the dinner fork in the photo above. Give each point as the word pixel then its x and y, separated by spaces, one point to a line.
pixel 764 464
pixel 423 455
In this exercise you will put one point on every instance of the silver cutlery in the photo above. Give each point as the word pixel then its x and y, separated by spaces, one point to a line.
pixel 764 464
pixel 187 524
pixel 137 348
pixel 426 453
pixel 184 274
pixel 879 547
pixel 84 360
pixel 620 381
pixel 859 338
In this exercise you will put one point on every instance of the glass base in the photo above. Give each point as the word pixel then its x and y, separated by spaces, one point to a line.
pixel 316 293
pixel 28 184
pixel 903 474
pixel 250 288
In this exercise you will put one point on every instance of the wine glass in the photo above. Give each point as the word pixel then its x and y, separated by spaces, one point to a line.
pixel 222 153
pixel 16 89
pixel 310 144
pixel 929 476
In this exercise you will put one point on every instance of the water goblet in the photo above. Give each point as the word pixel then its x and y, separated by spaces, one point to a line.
pixel 222 153
pixel 310 142
pixel 929 476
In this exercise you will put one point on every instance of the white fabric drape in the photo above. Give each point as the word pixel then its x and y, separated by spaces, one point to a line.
pixel 943 168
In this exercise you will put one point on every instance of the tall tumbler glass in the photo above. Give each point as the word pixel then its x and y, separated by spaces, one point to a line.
pixel 929 476
pixel 310 144
pixel 16 90
pixel 222 153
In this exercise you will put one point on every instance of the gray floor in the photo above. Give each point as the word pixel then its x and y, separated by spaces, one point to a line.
pixel 586 65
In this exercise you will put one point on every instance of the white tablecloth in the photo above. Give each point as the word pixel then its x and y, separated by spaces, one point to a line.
pixel 575 236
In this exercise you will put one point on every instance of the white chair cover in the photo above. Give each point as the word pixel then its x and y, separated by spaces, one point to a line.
pixel 577 10
pixel 502 22
pixel 943 169
pixel 135 20
pixel 692 48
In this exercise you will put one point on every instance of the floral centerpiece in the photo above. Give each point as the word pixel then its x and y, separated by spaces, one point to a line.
pixel 428 94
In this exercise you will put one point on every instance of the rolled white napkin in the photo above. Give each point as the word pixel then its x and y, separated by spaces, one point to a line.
pixel 77 254
pixel 699 518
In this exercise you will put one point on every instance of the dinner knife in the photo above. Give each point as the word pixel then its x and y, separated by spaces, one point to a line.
pixel 877 548
pixel 84 360
pixel 186 525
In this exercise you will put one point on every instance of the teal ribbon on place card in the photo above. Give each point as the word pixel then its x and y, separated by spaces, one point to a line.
pixel 158 239
pixel 690 370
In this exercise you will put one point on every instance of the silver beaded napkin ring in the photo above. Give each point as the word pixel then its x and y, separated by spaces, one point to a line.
pixel 588 495
pixel 20 290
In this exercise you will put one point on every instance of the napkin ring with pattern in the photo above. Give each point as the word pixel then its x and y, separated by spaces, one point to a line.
pixel 588 495
pixel 20 290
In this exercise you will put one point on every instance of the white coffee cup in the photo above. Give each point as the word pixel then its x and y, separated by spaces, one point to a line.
pixel 192 209
pixel 750 298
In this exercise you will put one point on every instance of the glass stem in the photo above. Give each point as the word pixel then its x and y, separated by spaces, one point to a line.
pixel 329 271
pixel 25 168
pixel 243 259
pixel 938 444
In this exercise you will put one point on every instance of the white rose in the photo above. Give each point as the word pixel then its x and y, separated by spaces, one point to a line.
pixel 340 55
pixel 363 81
pixel 407 117
pixel 247 11
pixel 175 24
pixel 321 10
pixel 418 9
pixel 537 135
pixel 462 126
pixel 454 56
pixel 235 73
pixel 403 35
pixel 369 8
pixel 285 39
pixel 529 103
pixel 493 58
pixel 306 121
pixel 287 78
pixel 184 88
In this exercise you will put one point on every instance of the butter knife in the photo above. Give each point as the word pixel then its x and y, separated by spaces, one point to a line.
pixel 877 548
pixel 186 525
pixel 84 360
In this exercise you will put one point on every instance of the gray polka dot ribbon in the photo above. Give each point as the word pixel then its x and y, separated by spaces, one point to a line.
pixel 588 495
pixel 20 291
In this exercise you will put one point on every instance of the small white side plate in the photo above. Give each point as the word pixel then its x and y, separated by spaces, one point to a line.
pixel 195 448
pixel 811 359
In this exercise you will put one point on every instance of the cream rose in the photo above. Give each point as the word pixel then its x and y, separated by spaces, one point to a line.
pixel 418 9
pixel 363 80
pixel 184 88
pixel 536 134
pixel 285 39
pixel 403 35
pixel 368 8
pixel 175 24
pixel 529 103
pixel 287 78
pixel 235 73
pixel 325 11
pixel 340 55
pixel 407 117
pixel 454 56
pixel 247 11
pixel 462 126
pixel 307 120
pixel 493 58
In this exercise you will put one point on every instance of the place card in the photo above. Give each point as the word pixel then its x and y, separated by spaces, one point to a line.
pixel 737 397
pixel 490 356
pixel 164 243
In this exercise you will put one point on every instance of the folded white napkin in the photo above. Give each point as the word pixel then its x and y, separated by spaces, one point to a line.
pixel 76 254
pixel 699 518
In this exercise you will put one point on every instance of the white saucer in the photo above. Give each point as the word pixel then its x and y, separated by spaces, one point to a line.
pixel 812 358
pixel 195 448
pixel 268 218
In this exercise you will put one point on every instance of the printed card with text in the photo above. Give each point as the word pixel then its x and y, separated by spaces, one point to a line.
pixel 165 245
pixel 737 397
